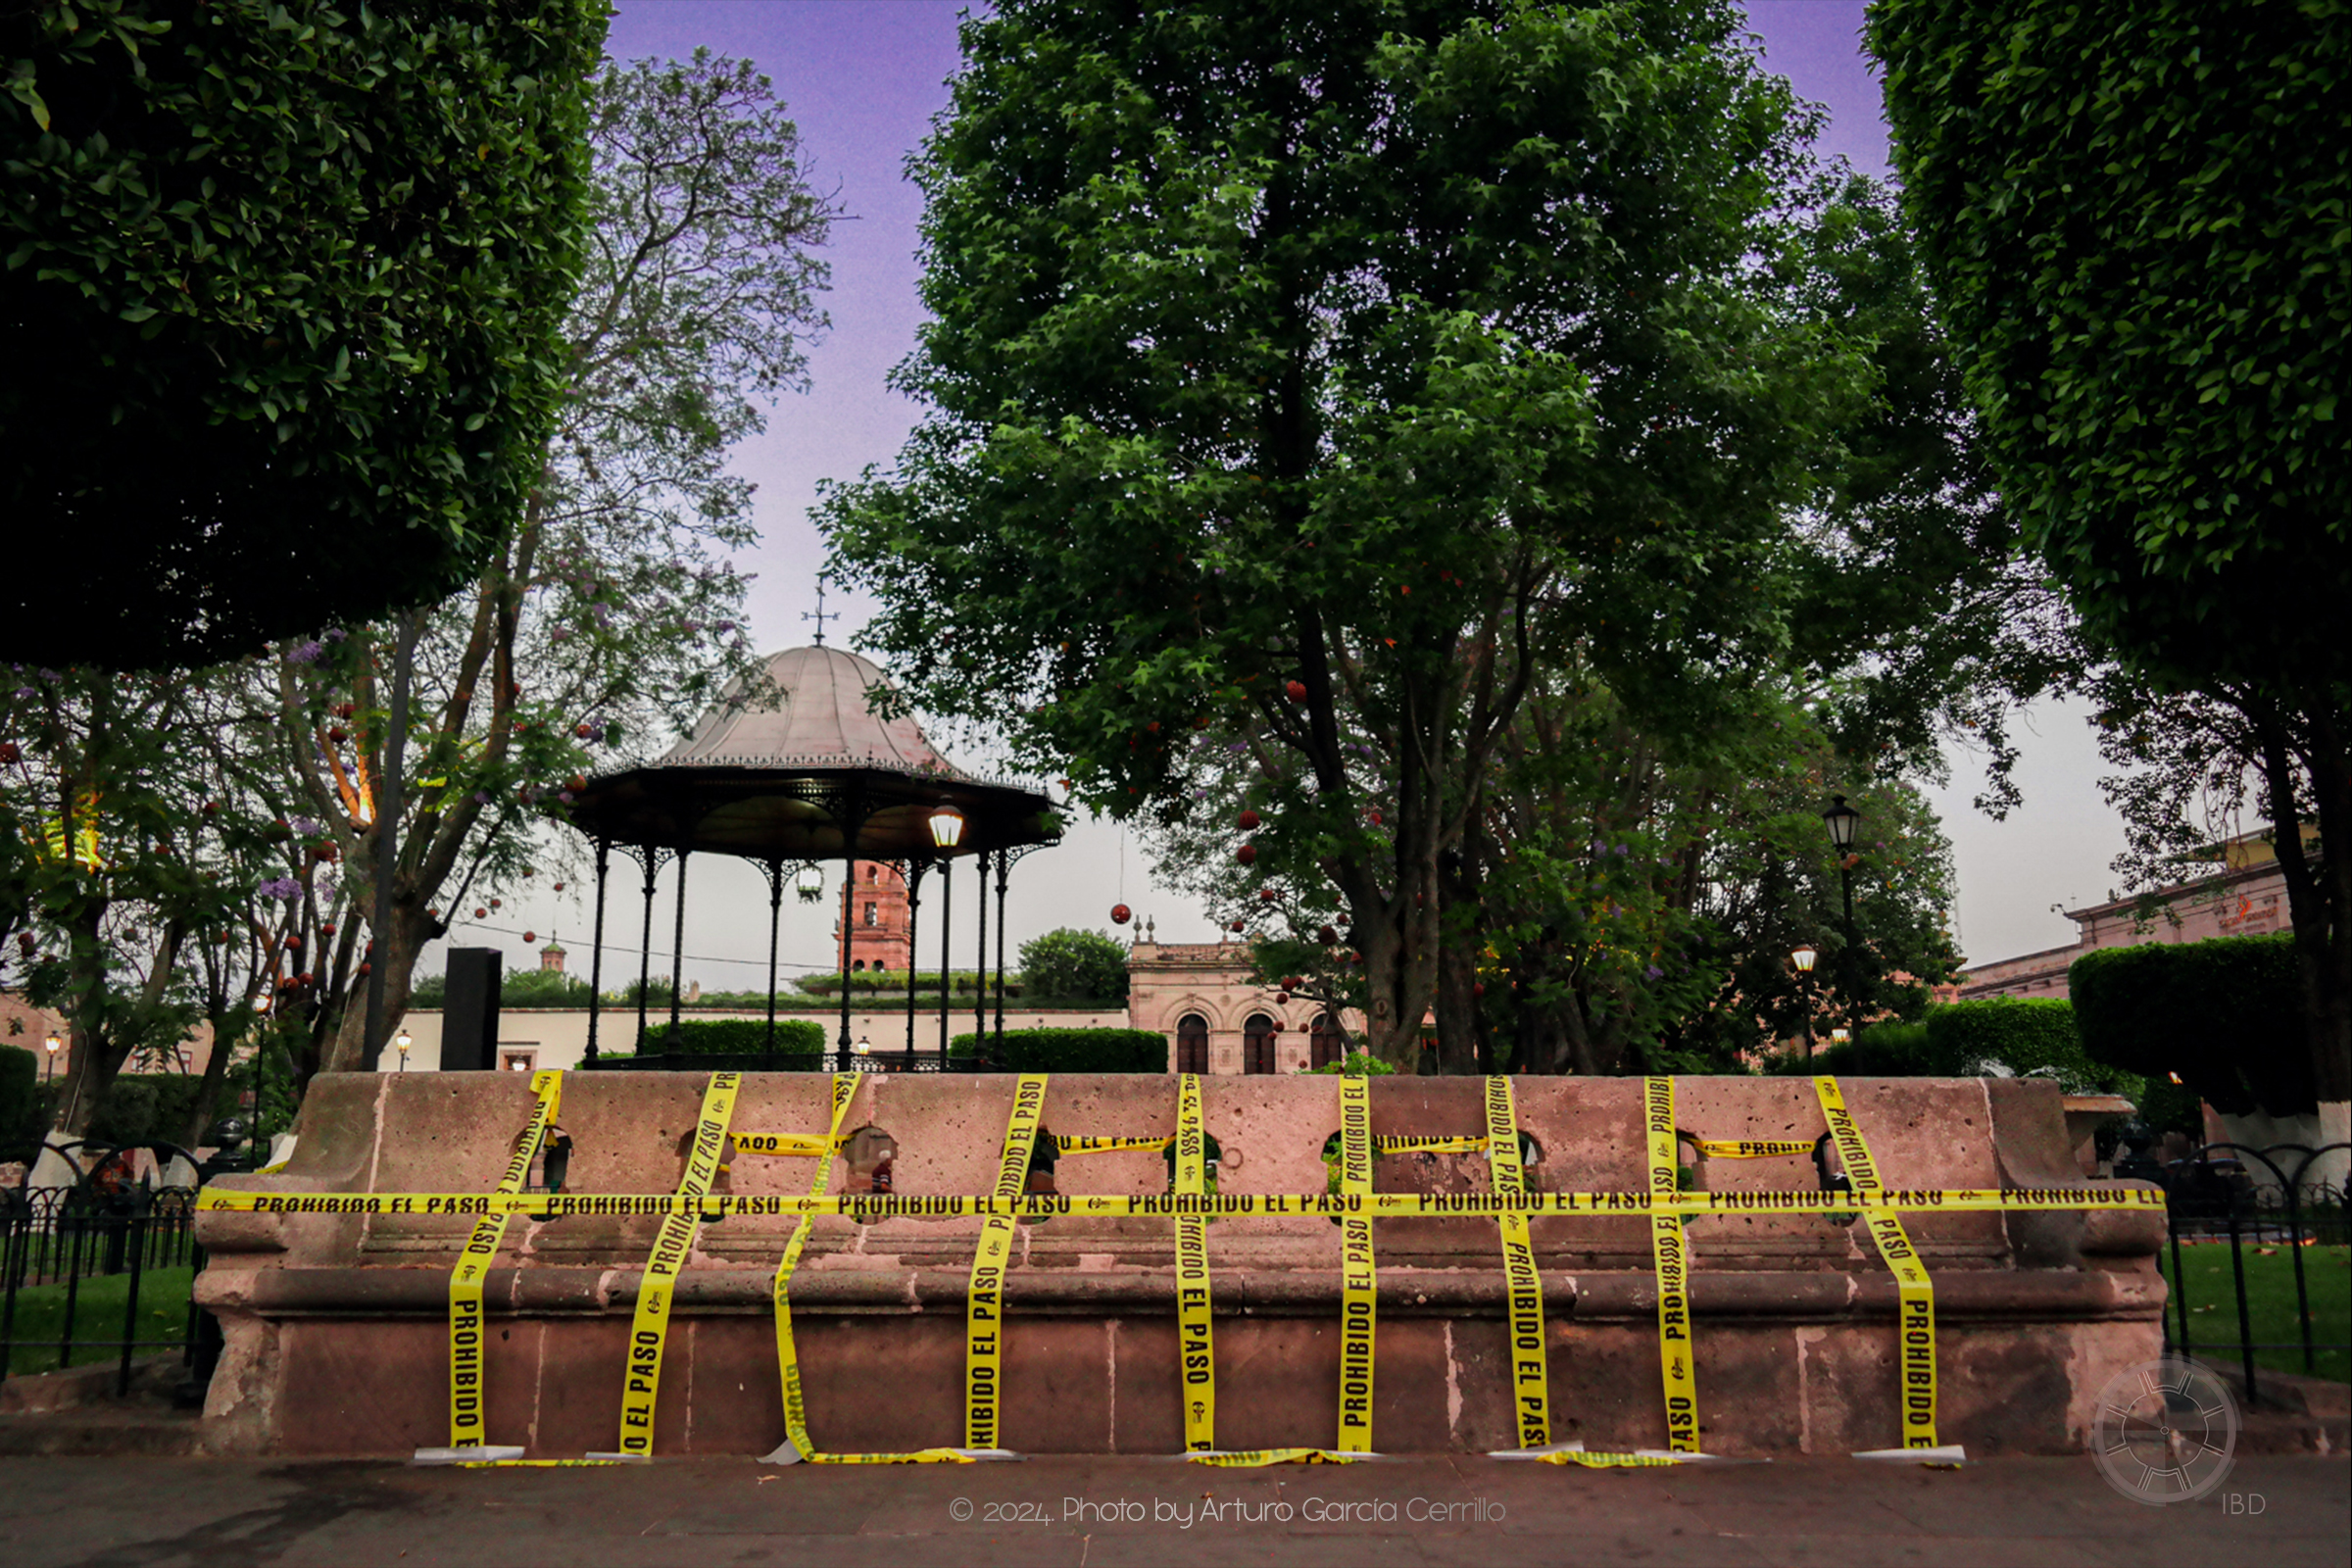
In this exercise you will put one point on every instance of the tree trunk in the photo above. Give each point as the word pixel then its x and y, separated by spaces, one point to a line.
pixel 2318 897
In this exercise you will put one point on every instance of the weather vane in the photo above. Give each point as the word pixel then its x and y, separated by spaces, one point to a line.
pixel 819 615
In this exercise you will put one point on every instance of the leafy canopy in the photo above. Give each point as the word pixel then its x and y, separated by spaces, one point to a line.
pixel 284 298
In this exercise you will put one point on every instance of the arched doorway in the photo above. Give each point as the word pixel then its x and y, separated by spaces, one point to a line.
pixel 1325 1044
pixel 1192 1044
pixel 1257 1044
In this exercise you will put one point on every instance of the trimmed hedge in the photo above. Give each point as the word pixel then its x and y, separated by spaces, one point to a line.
pixel 1073 1051
pixel 22 1105
pixel 895 980
pixel 735 1036
pixel 2025 1036
pixel 2224 1013
pixel 1881 1051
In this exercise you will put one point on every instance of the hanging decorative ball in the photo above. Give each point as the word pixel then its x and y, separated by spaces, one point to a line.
pixel 24 941
pixel 528 871
pixel 584 731
pixel 1296 690
pixel 328 929
pixel 344 709
pixel 10 754
pixel 1327 936
pixel 1121 914
pixel 1278 1026
pixel 1377 820
pixel 1283 997
pixel 1478 988
pixel 366 970
pixel 1266 895
pixel 559 887
pixel 481 914
pixel 530 936
pixel 1239 925
pixel 1246 854
pixel 294 940
pixel 1247 821
pixel 494 903
pixel 338 734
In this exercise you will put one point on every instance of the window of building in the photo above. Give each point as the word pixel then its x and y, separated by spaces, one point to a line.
pixel 871 918
pixel 517 1059
pixel 1325 1044
pixel 1257 1044
pixel 1192 1044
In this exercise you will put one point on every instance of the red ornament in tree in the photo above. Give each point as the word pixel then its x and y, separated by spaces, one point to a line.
pixel 1247 821
pixel 1283 997
pixel 1238 925
pixel 1376 820
pixel 1279 1026
pixel 1266 895
pixel 1246 854
pixel 1289 982
pixel 328 929
pixel 1296 690
pixel 1121 914
pixel 577 782
pixel 481 914
pixel 366 969
pixel 294 940
pixel 344 709
pixel 9 753
pixel 530 936
pixel 1478 988
pixel 338 734
pixel 494 903
pixel 559 887
pixel 1327 936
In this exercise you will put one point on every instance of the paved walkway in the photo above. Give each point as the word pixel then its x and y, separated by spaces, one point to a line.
pixel 1095 1513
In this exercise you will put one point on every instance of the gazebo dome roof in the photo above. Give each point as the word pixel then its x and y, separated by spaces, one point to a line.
pixel 814 773
pixel 823 714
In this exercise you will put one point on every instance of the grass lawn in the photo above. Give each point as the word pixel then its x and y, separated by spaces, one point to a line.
pixel 2212 1295
pixel 98 1315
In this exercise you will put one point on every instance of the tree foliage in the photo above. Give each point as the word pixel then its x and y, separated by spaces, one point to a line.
pixel 2133 219
pixel 284 300
pixel 1340 363
pixel 2200 1010
pixel 1070 962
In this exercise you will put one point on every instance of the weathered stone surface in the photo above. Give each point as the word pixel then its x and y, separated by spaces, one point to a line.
pixel 335 1324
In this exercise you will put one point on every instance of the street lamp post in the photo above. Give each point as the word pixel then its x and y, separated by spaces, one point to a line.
pixel 1841 820
pixel 52 1045
pixel 403 1040
pixel 1804 958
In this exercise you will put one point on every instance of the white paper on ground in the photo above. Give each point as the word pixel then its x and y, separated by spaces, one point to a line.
pixel 485 1453
pixel 1950 1454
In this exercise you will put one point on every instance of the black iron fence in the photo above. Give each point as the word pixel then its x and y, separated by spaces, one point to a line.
pixel 2280 1227
pixel 79 1271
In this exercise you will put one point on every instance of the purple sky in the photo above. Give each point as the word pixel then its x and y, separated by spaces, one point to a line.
pixel 863 82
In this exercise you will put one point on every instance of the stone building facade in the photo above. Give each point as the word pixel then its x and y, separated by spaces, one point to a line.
pixel 2246 899
pixel 1198 994
pixel 879 934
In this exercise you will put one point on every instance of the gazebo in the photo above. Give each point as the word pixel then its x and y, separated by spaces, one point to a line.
pixel 795 772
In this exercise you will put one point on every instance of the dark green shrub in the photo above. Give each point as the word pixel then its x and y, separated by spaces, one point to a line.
pixel 735 1036
pixel 21 1121
pixel 2225 1014
pixel 869 981
pixel 1073 1051
pixel 146 1107
pixel 1881 1050
pixel 2024 1035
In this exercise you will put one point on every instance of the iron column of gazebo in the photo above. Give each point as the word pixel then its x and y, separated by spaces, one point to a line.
pixel 947 955
pixel 851 815
pixel 776 915
pixel 915 865
pixel 596 949
pixel 677 956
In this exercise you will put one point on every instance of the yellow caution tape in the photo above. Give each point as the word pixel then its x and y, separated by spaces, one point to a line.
pixel 1251 1458
pixel 1359 1288
pixel 872 1210
pixel 1196 1330
pixel 983 1297
pixel 1107 1145
pixel 1751 1147
pixel 791 1146
pixel 649 1330
pixel 1404 1143
pixel 1668 1245
pixel 467 1329
pixel 1594 1461
pixel 788 1358
pixel 1915 1292
pixel 1531 1376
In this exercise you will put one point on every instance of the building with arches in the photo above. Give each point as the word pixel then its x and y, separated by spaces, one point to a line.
pixel 878 937
pixel 1199 995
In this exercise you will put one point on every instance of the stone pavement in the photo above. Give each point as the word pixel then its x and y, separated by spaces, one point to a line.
pixel 140 1512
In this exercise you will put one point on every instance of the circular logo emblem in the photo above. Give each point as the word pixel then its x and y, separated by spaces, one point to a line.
pixel 2166 1431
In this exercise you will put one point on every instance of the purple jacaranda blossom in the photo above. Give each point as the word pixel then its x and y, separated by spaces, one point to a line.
pixel 481 797
pixel 304 827
pixel 565 796
pixel 1653 972
pixel 334 634
pixel 26 691
pixel 307 654
pixel 284 887
pixel 561 634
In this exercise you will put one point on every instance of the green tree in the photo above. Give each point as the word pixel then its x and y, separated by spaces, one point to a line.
pixel 285 301
pixel 1331 359
pixel 606 615
pixel 1070 962
pixel 2134 220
